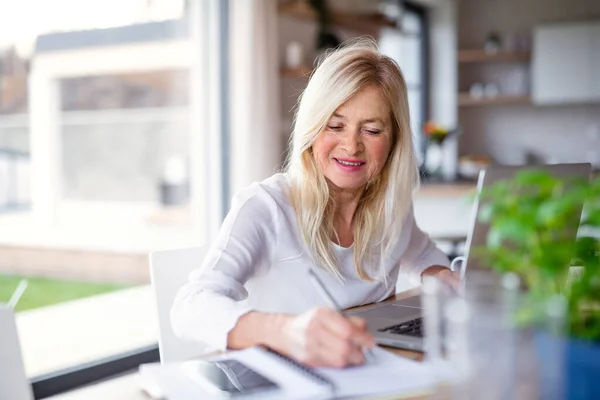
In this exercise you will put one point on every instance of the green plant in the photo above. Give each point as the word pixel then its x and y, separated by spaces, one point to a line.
pixel 531 222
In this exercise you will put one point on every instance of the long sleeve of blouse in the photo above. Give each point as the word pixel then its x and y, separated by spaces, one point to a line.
pixel 212 300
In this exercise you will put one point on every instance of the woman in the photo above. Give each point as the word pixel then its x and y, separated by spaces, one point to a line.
pixel 343 208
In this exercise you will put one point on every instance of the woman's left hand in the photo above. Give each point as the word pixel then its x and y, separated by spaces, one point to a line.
pixel 450 278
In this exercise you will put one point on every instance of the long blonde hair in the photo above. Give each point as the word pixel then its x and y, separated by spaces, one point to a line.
pixel 385 202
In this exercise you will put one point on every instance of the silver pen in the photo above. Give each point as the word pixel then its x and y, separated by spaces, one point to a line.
pixel 367 353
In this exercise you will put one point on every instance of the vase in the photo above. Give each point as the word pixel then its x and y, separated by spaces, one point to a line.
pixel 433 159
pixel 441 159
pixel 449 164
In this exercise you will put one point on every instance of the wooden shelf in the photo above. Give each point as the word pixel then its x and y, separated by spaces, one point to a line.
pixel 465 100
pixel 299 72
pixel 364 23
pixel 450 189
pixel 474 56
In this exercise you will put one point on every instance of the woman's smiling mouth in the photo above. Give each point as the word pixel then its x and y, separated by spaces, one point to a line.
pixel 349 165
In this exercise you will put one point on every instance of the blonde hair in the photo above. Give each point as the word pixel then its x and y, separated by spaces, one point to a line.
pixel 386 200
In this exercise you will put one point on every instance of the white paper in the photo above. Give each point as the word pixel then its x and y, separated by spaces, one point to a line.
pixel 387 373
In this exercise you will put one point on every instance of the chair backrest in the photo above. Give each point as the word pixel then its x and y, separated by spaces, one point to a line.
pixel 169 270
pixel 13 381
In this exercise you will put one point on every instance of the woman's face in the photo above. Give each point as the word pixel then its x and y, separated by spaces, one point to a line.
pixel 356 142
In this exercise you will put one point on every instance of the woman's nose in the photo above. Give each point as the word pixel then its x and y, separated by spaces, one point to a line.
pixel 352 143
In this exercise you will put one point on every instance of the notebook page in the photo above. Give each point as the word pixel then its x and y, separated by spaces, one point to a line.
pixel 387 373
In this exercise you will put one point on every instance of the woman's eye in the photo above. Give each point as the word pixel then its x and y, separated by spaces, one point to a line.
pixel 334 128
pixel 373 131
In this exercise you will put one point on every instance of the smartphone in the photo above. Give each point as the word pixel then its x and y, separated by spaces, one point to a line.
pixel 227 378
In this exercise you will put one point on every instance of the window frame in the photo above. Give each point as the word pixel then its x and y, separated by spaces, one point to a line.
pixel 57 382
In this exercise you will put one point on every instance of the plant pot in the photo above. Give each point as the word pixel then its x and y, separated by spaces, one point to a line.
pixel 434 156
pixel 568 368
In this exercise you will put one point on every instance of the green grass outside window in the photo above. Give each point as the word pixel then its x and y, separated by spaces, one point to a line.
pixel 46 291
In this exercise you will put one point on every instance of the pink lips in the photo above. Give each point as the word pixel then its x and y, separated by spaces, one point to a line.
pixel 349 168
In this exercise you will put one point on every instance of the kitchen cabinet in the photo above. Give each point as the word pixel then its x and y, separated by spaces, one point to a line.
pixel 566 63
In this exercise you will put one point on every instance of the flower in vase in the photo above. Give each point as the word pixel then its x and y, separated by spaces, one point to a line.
pixel 436 132
pixel 436 149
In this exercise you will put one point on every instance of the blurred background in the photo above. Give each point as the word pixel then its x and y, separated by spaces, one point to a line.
pixel 126 126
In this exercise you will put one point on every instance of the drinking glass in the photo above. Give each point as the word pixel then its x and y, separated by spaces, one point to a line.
pixel 471 337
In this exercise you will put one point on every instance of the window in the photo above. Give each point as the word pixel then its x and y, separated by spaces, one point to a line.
pixel 103 158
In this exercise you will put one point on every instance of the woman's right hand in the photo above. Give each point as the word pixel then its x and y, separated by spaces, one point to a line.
pixel 322 337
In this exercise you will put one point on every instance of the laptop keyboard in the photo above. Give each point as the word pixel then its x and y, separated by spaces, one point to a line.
pixel 410 328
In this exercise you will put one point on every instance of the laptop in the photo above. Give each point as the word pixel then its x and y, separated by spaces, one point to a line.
pixel 399 324
pixel 14 384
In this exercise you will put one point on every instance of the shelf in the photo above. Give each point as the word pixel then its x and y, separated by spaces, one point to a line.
pixel 365 23
pixel 474 56
pixel 465 100
pixel 299 72
pixel 447 189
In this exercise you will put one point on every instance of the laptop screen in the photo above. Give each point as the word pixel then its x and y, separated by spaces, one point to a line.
pixel 495 173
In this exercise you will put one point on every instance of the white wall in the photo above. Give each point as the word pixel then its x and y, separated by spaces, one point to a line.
pixel 555 134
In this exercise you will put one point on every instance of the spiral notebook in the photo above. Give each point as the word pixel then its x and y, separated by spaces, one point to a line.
pixel 383 373
pixel 386 373
pixel 310 373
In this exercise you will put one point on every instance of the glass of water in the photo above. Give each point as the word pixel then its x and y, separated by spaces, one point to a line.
pixel 471 338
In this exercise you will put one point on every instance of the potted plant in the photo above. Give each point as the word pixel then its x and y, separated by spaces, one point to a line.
pixel 531 224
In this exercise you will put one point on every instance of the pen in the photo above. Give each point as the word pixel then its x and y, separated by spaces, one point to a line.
pixel 333 304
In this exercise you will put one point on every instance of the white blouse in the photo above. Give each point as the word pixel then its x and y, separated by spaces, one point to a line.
pixel 259 262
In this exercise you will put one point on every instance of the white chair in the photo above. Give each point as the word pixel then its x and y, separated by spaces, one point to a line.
pixel 169 270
